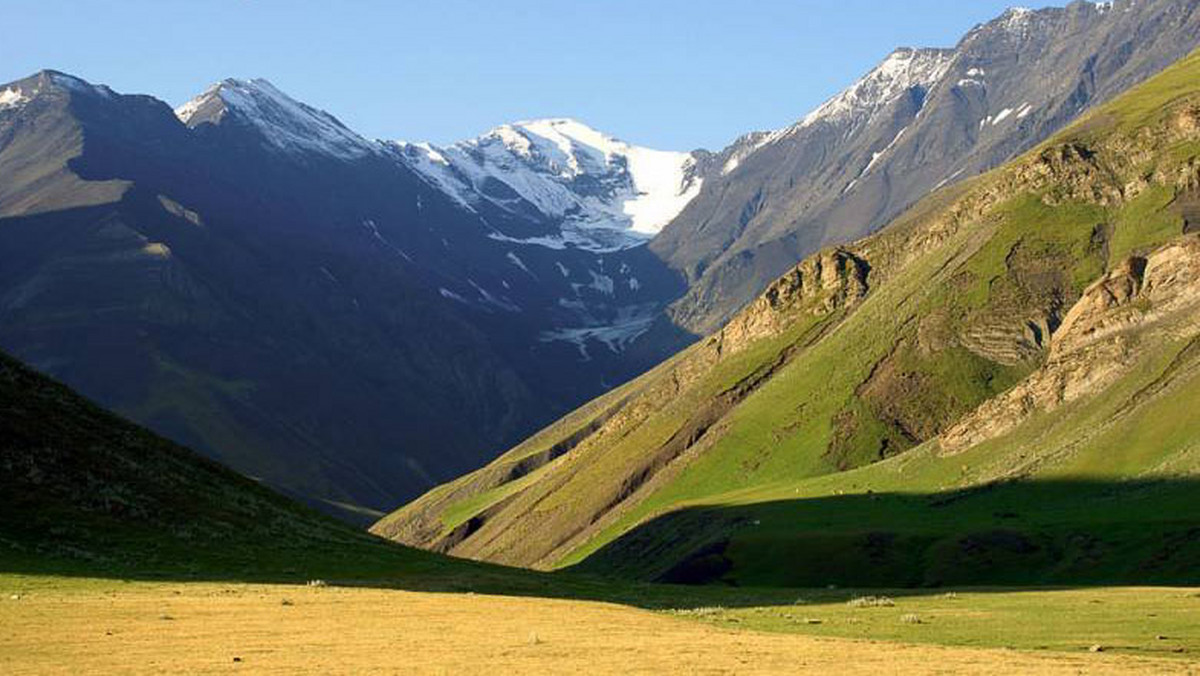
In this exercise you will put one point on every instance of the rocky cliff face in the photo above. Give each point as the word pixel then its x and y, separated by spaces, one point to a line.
pixel 1141 301
pixel 819 285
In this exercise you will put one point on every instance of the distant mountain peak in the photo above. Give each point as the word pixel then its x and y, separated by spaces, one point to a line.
pixel 1016 22
pixel 17 94
pixel 73 83
pixel 1023 22
pixel 903 69
pixel 909 67
pixel 604 193
pixel 563 145
pixel 285 123
pixel 209 106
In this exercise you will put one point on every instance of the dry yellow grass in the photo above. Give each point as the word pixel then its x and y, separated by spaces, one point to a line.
pixel 113 627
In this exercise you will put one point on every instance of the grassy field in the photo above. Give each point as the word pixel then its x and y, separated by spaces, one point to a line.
pixel 1146 621
pixel 77 625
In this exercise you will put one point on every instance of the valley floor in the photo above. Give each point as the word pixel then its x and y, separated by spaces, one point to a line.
pixel 57 625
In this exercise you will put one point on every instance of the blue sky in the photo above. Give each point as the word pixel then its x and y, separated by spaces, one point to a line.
pixel 673 74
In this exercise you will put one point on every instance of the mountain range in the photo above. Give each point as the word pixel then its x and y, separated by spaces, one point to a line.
pixel 997 387
pixel 922 119
pixel 251 278
pixel 356 321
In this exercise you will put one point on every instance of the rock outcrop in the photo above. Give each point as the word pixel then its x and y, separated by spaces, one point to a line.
pixel 1143 299
pixel 820 284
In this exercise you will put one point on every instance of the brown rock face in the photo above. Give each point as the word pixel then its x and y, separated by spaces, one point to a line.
pixel 1186 122
pixel 820 284
pixel 1092 313
pixel 1142 299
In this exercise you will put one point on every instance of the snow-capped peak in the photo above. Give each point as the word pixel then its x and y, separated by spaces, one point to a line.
pixel 563 146
pixel 285 123
pixel 900 71
pixel 604 193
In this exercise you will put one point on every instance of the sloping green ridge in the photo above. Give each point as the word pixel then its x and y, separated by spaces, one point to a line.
pixel 1116 505
pixel 960 301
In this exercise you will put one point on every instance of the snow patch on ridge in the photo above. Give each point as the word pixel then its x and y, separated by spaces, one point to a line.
pixel 630 323
pixel 875 156
pixel 516 260
pixel 12 98
pixel 79 85
pixel 743 148
pixel 15 95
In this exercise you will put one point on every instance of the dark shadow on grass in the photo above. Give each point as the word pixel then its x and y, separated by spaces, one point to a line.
pixel 1061 533
pixel 1004 536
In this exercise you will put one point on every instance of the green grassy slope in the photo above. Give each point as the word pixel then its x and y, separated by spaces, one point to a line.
pixel 1046 504
pixel 866 359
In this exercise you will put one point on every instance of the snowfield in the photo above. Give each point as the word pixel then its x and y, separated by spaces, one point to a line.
pixel 605 194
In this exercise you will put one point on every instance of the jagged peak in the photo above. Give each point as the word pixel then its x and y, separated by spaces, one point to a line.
pixel 223 95
pixel 20 92
pixel 741 148
pixel 1015 17
pixel 562 145
pixel 903 69
pixel 1014 22
pixel 543 127
pixel 568 126
pixel 907 67
pixel 285 123
pixel 193 107
pixel 1021 22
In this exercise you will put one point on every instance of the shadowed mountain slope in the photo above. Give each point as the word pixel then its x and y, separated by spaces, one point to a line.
pixel 269 288
pixel 86 490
